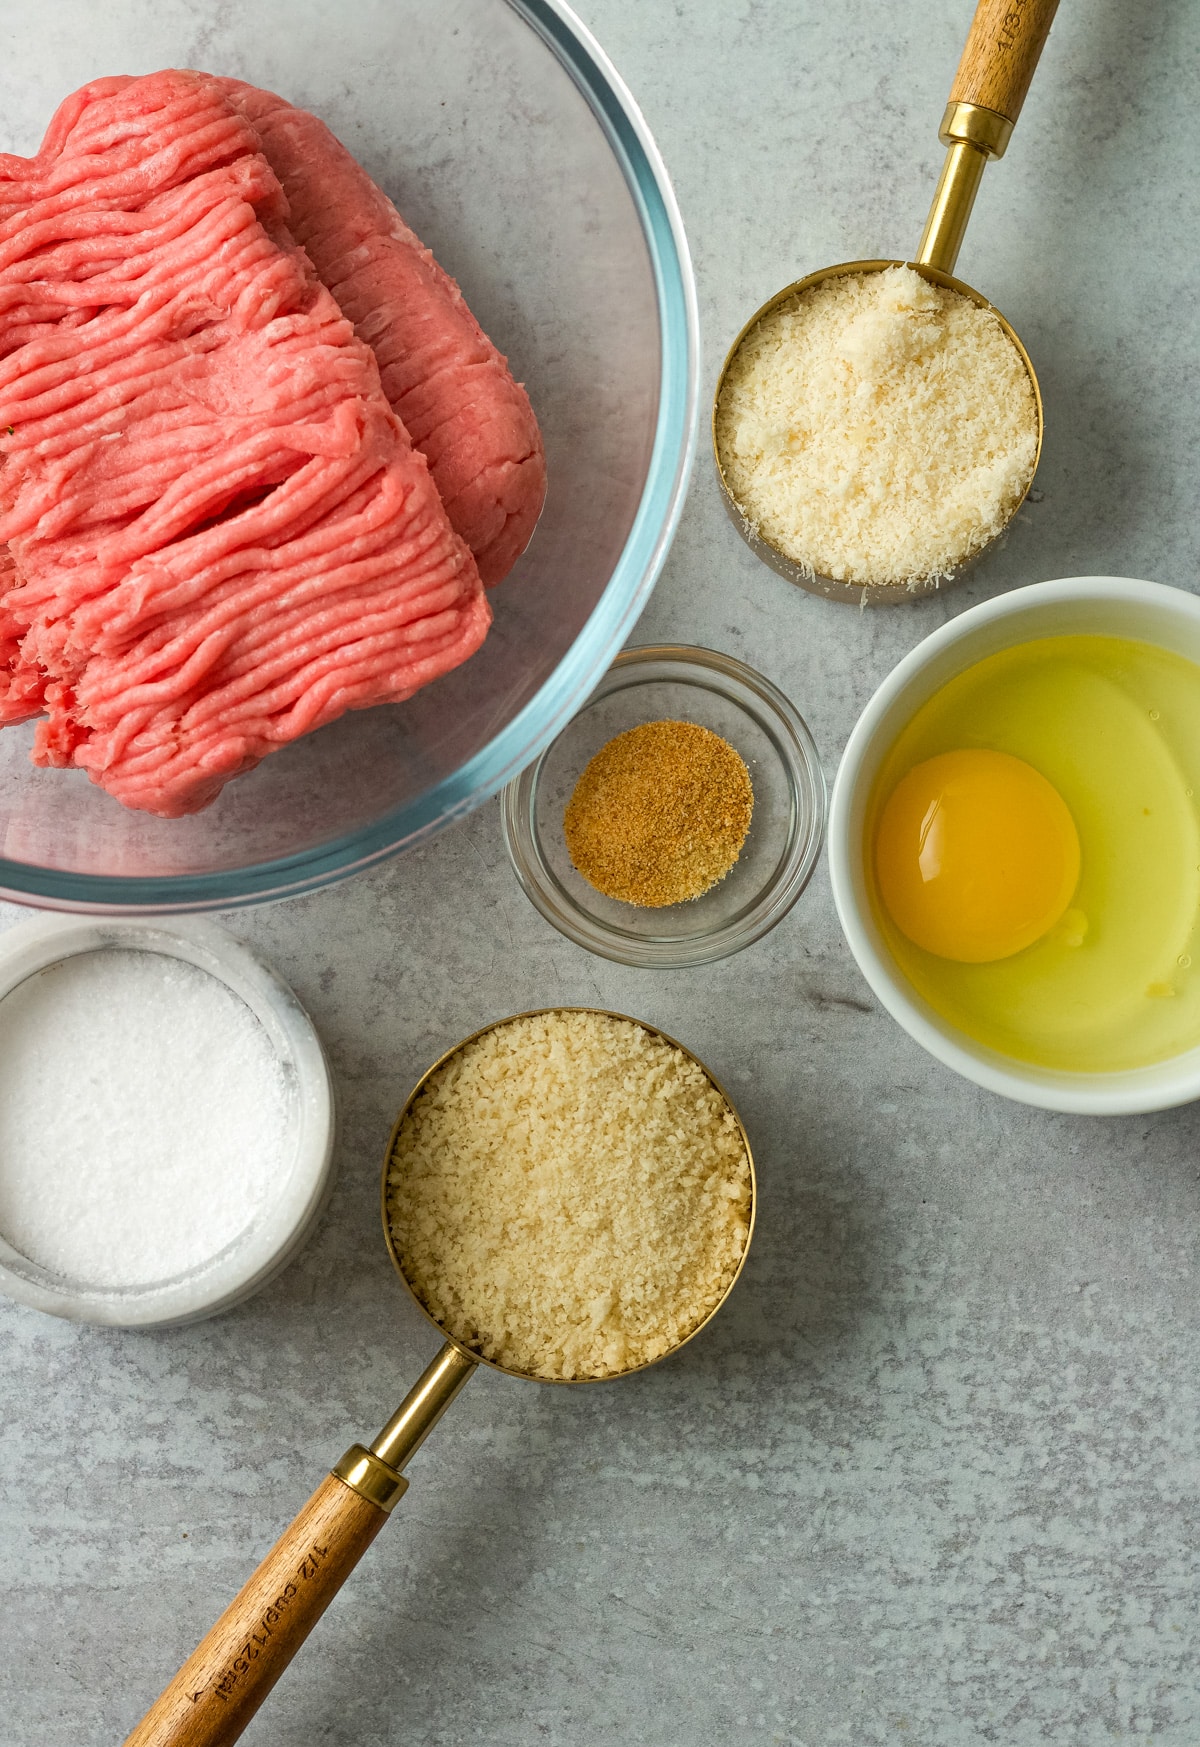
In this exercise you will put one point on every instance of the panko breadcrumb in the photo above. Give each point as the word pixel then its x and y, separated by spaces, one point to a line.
pixel 570 1196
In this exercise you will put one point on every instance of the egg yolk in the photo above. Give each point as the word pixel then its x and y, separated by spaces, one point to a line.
pixel 976 855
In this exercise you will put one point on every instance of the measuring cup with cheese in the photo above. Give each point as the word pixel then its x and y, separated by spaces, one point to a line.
pixel 877 425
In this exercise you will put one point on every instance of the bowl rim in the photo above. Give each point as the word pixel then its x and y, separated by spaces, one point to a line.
pixel 622 600
pixel 1158 1086
pixel 785 726
pixel 265 1247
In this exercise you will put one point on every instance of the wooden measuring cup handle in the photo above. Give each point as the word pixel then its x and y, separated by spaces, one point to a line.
pixel 1002 51
pixel 232 1670
pixel 226 1678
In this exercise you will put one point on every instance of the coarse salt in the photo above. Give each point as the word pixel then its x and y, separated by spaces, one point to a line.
pixel 144 1117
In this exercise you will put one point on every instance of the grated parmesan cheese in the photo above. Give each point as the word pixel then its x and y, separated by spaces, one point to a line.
pixel 878 429
pixel 570 1195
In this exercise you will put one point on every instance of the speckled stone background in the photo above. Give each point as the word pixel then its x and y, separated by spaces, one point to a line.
pixel 932 1475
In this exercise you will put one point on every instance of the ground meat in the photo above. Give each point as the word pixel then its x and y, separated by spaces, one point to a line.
pixel 219 534
pixel 441 373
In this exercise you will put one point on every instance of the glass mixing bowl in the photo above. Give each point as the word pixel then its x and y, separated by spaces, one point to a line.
pixel 515 152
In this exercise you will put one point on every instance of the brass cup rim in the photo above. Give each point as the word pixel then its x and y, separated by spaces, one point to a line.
pixel 828 587
pixel 445 1333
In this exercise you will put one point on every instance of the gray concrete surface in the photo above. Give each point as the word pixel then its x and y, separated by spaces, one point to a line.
pixel 932 1475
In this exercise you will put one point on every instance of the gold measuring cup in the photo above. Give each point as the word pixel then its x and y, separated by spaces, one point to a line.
pixel 227 1677
pixel 1002 50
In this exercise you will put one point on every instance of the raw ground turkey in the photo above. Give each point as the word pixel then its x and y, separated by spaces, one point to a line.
pixel 222 535
pixel 440 372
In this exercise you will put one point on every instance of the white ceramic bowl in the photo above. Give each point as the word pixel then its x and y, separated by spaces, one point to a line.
pixel 290 1210
pixel 1103 605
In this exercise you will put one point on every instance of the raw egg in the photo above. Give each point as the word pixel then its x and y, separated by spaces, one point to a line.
pixel 976 855
pixel 1032 850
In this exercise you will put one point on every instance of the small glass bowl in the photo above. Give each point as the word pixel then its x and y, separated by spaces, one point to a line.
pixel 670 682
pixel 295 1198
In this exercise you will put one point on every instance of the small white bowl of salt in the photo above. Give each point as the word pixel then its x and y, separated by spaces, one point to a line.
pixel 166 1121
